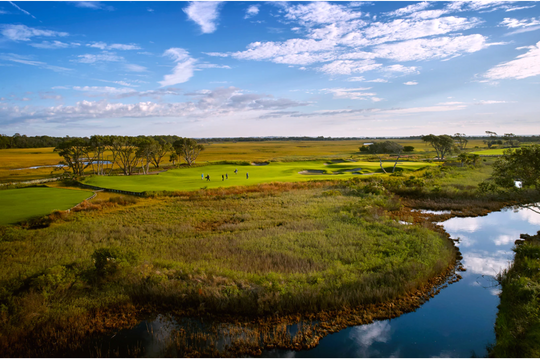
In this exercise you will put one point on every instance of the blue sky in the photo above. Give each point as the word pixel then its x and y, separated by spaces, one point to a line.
pixel 225 69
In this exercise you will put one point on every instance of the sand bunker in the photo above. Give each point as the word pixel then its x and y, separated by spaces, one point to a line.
pixel 312 172
pixel 259 164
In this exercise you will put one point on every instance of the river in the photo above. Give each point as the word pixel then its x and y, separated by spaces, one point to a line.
pixel 458 322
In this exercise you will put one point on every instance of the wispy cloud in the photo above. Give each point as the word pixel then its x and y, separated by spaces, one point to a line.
pixel 54 45
pixel 104 46
pixel 251 11
pixel 25 33
pixel 183 71
pixel 95 5
pixel 524 66
pixel 24 11
pixel 105 56
pixel 410 83
pixel 205 14
pixel 28 61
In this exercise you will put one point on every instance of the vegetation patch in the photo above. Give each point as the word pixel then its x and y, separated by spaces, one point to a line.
pixel 518 322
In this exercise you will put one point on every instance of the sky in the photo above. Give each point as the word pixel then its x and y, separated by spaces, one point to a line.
pixel 239 69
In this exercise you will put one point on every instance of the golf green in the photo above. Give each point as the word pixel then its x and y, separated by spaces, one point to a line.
pixel 21 204
pixel 186 179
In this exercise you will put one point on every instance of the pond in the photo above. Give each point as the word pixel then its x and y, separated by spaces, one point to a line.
pixel 458 322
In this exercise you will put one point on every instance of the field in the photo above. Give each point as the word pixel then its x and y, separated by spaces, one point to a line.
pixel 21 204
pixel 11 159
pixel 186 179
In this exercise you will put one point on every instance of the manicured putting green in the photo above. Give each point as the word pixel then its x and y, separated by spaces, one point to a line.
pixel 186 179
pixel 21 204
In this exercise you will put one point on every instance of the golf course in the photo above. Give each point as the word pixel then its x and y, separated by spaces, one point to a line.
pixel 189 178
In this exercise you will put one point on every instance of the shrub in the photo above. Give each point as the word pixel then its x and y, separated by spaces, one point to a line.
pixel 110 260
pixel 408 148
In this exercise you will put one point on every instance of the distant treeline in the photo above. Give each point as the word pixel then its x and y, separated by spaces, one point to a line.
pixel 19 141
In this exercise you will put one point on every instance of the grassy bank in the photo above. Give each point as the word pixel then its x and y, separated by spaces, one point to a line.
pixel 518 322
pixel 272 248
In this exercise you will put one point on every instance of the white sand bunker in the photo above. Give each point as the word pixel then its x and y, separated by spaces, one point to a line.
pixel 259 164
pixel 311 172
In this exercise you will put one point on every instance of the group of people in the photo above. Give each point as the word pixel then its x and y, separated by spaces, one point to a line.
pixel 223 177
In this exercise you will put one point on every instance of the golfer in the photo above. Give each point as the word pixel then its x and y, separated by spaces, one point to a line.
pixel 202 176
pixel 247 176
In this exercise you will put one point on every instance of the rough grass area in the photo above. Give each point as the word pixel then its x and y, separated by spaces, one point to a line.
pixel 260 252
pixel 518 321
pixel 186 179
pixel 490 152
pixel 21 204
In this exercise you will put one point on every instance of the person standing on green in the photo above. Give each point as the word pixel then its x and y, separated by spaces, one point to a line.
pixel 247 176
pixel 202 176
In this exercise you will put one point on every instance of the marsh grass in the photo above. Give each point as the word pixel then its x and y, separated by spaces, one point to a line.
pixel 274 248
pixel 518 322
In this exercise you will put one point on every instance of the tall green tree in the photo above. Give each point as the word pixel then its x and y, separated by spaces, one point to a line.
pixel 461 140
pixel 160 148
pixel 518 165
pixel 386 147
pixel 443 144
pixel 75 153
pixel 188 149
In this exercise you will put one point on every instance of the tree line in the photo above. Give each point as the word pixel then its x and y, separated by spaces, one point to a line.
pixel 128 154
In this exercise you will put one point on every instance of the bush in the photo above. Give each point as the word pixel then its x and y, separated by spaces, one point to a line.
pixel 110 260
pixel 408 148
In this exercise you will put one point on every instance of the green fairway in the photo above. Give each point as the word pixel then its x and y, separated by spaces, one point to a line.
pixel 490 152
pixel 21 204
pixel 186 179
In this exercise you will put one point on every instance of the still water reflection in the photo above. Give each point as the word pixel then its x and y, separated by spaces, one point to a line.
pixel 459 321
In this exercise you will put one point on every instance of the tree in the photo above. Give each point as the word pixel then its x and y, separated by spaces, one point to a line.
pixel 511 140
pixel 461 140
pixel 173 157
pixel 74 151
pixel 386 147
pixel 468 158
pixel 443 144
pixel 160 149
pixel 145 151
pixel 408 148
pixel 492 139
pixel 518 165
pixel 188 149
pixel 124 151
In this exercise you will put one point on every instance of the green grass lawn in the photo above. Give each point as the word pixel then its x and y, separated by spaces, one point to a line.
pixel 186 179
pixel 21 204
pixel 490 152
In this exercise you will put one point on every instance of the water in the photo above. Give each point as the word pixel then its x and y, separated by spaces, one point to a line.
pixel 458 322
pixel 59 165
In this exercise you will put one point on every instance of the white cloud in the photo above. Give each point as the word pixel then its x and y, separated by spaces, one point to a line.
pixel 489 102
pixel 103 90
pixel 183 71
pixel 349 93
pixel 409 9
pixel 515 23
pixel 378 81
pixel 525 65
pixel 407 29
pixel 437 48
pixel 103 57
pixel 204 14
pixel 28 61
pixel 96 5
pixel 251 11
pixel 427 14
pixel 347 67
pixel 135 68
pixel 217 54
pixel 398 68
pixel 217 102
pixel 53 45
pixel 211 66
pixel 356 78
pixel 25 33
pixel 292 51
pixel 410 83
pixel 320 13
pixel 103 46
